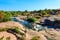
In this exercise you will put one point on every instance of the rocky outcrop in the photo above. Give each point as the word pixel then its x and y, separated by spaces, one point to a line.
pixel 51 34
pixel 11 24
pixel 54 24
pixel 4 36
pixel 30 34
pixel 47 34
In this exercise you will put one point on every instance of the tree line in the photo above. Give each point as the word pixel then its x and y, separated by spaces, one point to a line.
pixel 6 15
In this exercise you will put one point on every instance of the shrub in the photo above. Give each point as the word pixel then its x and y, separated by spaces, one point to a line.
pixel 23 38
pixel 15 29
pixel 38 17
pixel 35 38
pixel 42 13
pixel 34 29
pixel 3 29
pixel 7 17
pixel 8 38
pixel 1 38
pixel 31 20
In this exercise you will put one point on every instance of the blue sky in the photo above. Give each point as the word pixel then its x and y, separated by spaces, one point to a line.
pixel 29 4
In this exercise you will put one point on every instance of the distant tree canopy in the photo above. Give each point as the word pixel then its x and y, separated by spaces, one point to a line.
pixel 41 12
pixel 5 15
pixel 25 11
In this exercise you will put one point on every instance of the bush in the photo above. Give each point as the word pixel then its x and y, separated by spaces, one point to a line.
pixel 34 29
pixel 31 20
pixel 42 13
pixel 15 29
pixel 23 38
pixel 35 38
pixel 38 17
pixel 7 17
pixel 3 29
pixel 8 38
pixel 1 38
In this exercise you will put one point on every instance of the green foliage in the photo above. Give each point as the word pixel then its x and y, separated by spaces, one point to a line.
pixel 15 29
pixel 38 17
pixel 43 12
pixel 3 29
pixel 1 16
pixel 31 20
pixel 8 38
pixel 1 38
pixel 23 13
pixel 35 38
pixel 7 17
pixel 34 29
pixel 23 38
pixel 26 11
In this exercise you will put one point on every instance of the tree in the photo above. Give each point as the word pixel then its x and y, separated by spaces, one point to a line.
pixel 26 11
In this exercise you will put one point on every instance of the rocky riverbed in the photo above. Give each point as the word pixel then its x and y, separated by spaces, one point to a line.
pixel 47 34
